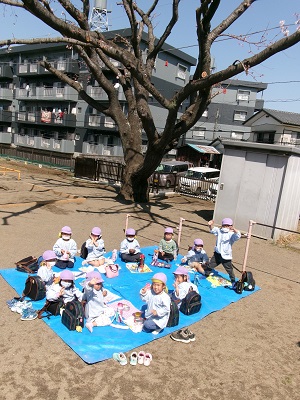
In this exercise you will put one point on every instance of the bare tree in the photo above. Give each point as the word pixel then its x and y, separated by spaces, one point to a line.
pixel 135 75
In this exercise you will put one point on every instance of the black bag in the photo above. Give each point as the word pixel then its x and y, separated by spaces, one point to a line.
pixel 35 288
pixel 73 315
pixel 83 251
pixel 50 308
pixel 247 277
pixel 29 265
pixel 174 315
pixel 239 287
pixel 191 304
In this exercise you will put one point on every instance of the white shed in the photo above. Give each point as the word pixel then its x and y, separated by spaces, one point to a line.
pixel 259 182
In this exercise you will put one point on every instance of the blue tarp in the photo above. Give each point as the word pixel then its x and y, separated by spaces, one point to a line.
pixel 104 341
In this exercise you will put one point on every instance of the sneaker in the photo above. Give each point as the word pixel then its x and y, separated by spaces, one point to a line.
pixel 180 336
pixel 141 357
pixel 190 334
pixel 20 306
pixel 12 302
pixel 120 357
pixel 29 314
pixel 147 359
pixel 133 358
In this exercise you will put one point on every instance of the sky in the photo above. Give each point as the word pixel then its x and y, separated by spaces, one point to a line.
pixel 281 72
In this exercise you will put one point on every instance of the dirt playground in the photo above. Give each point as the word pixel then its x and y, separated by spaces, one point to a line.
pixel 249 350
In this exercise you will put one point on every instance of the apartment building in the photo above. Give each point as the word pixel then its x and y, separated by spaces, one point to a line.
pixel 40 112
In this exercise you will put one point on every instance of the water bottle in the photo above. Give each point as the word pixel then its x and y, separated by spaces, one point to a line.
pixel 114 255
pixel 197 279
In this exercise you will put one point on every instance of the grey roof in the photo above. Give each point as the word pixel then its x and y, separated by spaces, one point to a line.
pixel 284 117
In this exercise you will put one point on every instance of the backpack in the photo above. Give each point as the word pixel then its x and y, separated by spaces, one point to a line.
pixel 73 315
pixel 29 265
pixel 51 308
pixel 35 288
pixel 247 277
pixel 191 304
pixel 174 315
pixel 83 251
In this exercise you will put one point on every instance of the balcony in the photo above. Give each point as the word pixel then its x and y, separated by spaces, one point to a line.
pixel 5 116
pixel 6 72
pixel 47 93
pixel 46 117
pixel 5 137
pixel 100 121
pixel 101 150
pixel 6 94
pixel 62 146
pixel 68 66
pixel 97 93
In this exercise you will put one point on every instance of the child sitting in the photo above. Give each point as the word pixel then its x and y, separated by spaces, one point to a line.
pixel 95 248
pixel 65 289
pixel 158 304
pixel 182 285
pixel 197 257
pixel 45 271
pixel 97 313
pixel 130 247
pixel 167 246
pixel 65 249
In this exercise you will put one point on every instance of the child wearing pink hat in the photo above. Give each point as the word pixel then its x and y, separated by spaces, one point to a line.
pixel 97 313
pixel 182 285
pixel 65 249
pixel 167 248
pixel 158 304
pixel 95 248
pixel 45 271
pixel 197 257
pixel 226 236
pixel 130 250
pixel 65 289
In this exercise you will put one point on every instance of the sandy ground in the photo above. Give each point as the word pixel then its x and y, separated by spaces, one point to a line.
pixel 250 350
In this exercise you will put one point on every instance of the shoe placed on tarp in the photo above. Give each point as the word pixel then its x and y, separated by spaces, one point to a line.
pixel 141 357
pixel 20 306
pixel 190 334
pixel 133 358
pixel 180 336
pixel 120 357
pixel 147 359
pixel 12 302
pixel 29 314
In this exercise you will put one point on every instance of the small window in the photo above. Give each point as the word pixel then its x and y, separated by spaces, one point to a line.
pixel 181 72
pixel 240 116
pixel 243 95
pixel 237 135
pixel 79 110
pixel 109 123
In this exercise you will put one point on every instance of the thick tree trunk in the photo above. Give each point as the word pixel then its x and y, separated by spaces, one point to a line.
pixel 134 187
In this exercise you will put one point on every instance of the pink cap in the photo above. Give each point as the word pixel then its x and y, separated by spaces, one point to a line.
pixel 227 221
pixel 169 230
pixel 67 230
pixel 94 275
pixel 96 231
pixel 181 271
pixel 160 276
pixel 49 255
pixel 198 242
pixel 130 232
pixel 67 275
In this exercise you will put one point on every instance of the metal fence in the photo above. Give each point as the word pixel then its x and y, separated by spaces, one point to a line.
pixel 96 169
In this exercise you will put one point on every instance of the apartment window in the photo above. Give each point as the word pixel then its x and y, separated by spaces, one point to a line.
pixel 181 71
pixel 240 116
pixel 243 95
pixel 198 132
pixel 265 137
pixel 109 122
pixel 237 135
